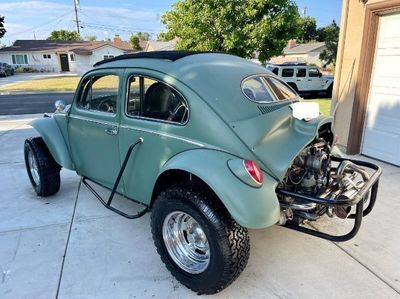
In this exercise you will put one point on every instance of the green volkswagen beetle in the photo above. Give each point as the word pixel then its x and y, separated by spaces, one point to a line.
pixel 212 145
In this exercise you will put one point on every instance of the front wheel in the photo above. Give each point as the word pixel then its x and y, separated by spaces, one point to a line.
pixel 43 171
pixel 197 239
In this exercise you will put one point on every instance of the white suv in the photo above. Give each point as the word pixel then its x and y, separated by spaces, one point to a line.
pixel 303 78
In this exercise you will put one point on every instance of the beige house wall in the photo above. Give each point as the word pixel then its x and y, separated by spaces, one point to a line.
pixel 347 77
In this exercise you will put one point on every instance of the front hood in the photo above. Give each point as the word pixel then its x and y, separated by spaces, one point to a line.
pixel 276 138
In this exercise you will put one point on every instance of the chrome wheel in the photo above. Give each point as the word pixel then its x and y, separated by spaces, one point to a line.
pixel 33 168
pixel 186 242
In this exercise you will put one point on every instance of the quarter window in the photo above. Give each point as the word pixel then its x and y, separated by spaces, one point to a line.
pixel 287 72
pixel 100 93
pixel 19 59
pixel 301 73
pixel 314 72
pixel 265 89
pixel 153 99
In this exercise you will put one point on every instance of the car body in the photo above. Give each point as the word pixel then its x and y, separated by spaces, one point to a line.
pixel 303 78
pixel 6 69
pixel 208 142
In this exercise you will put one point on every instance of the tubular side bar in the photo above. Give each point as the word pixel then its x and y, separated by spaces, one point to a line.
pixel 107 203
pixel 358 200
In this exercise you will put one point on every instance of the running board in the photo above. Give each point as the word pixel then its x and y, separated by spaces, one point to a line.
pixel 107 203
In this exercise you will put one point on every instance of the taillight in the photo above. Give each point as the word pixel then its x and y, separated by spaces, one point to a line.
pixel 254 171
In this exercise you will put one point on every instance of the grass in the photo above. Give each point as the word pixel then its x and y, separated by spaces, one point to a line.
pixel 324 105
pixel 66 83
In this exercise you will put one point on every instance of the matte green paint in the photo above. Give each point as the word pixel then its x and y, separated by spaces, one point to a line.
pixel 250 207
pixel 52 136
pixel 223 125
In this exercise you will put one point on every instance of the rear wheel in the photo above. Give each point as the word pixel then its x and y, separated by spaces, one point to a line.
pixel 329 91
pixel 197 239
pixel 43 171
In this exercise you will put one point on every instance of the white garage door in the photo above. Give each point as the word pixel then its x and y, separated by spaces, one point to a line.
pixel 382 125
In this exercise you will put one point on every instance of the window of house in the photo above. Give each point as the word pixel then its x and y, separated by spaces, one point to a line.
pixel 19 59
pixel 72 57
pixel 287 72
pixel 313 72
pixel 153 99
pixel 301 73
pixel 108 57
pixel 100 93
pixel 46 56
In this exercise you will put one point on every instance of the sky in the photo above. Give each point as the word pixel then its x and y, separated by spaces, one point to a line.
pixel 30 19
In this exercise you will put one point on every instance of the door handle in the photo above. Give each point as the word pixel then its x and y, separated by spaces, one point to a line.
pixel 112 131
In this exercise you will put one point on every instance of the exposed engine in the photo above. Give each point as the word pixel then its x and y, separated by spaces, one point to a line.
pixel 313 173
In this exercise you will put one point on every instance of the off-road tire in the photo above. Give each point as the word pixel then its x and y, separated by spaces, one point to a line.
pixel 48 169
pixel 229 242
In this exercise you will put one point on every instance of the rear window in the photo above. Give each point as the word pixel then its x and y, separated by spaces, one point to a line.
pixel 266 89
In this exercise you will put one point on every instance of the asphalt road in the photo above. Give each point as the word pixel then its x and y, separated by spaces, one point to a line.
pixel 31 102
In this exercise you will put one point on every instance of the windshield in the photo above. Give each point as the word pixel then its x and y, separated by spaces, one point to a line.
pixel 266 89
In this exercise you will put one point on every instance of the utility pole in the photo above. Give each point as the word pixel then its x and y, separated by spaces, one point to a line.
pixel 76 3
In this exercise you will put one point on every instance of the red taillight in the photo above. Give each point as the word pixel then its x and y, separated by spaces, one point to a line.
pixel 254 171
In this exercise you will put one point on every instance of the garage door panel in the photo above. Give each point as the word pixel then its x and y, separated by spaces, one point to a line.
pixel 382 125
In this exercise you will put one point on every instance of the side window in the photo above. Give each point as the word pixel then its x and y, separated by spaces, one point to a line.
pixel 287 72
pixel 301 73
pixel 100 93
pixel 282 91
pixel 255 89
pixel 314 72
pixel 153 99
pixel 273 69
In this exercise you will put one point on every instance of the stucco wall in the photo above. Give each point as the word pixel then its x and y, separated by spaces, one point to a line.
pixel 35 60
pixel 349 52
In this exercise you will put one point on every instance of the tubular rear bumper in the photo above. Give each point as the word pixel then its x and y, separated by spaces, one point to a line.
pixel 358 199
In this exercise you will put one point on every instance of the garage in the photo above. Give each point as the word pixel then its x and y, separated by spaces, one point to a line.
pixel 381 138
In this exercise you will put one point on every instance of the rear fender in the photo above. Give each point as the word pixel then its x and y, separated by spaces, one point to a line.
pixel 50 132
pixel 250 207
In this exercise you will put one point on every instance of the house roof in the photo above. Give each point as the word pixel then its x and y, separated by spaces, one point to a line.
pixel 303 48
pixel 160 45
pixel 78 47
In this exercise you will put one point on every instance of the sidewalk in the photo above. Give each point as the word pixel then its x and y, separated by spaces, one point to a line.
pixel 70 246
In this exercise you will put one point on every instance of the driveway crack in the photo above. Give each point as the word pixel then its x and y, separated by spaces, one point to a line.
pixel 68 238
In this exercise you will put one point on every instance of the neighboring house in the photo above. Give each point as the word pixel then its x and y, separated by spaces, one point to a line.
pixel 308 53
pixel 62 56
pixel 367 79
pixel 153 45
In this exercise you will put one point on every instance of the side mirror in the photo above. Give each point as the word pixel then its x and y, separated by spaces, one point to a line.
pixel 320 75
pixel 60 105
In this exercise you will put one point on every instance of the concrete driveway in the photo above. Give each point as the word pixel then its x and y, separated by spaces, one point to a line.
pixel 69 246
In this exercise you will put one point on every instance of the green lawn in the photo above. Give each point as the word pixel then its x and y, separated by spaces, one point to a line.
pixel 324 105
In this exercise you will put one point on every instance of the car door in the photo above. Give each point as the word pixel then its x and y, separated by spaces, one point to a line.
pixel 158 113
pixel 315 81
pixel 94 126
pixel 301 80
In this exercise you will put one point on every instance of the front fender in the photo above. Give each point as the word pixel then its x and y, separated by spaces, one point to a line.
pixel 50 132
pixel 250 207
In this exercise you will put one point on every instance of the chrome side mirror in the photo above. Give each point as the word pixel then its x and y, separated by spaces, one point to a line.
pixel 60 105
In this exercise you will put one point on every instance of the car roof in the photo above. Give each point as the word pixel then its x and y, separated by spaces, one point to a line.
pixel 216 77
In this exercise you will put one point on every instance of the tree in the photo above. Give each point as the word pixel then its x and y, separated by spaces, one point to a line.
pixel 143 36
pixel 135 42
pixel 308 29
pixel 240 27
pixel 2 29
pixel 330 35
pixel 64 35
pixel 91 38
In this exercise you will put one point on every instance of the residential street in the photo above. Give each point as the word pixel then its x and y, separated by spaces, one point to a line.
pixel 69 246
pixel 25 103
